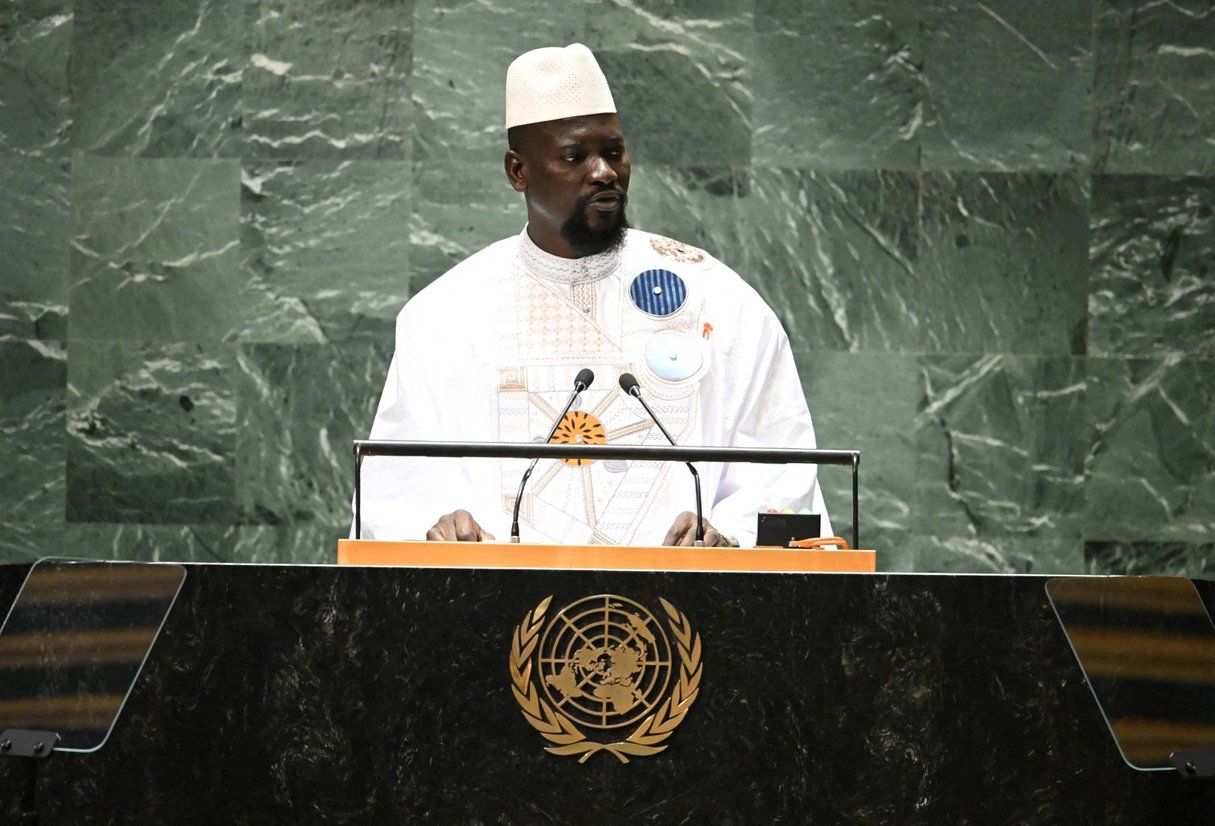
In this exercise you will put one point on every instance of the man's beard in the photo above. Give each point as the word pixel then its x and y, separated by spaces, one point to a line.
pixel 587 241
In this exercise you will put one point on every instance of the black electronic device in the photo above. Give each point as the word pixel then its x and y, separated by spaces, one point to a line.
pixel 780 529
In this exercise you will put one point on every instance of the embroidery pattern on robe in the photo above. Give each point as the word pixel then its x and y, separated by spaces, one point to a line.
pixel 605 501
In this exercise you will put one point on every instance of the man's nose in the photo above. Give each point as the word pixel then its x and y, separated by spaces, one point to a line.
pixel 601 171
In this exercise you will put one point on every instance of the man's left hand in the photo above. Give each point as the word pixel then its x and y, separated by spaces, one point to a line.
pixel 683 532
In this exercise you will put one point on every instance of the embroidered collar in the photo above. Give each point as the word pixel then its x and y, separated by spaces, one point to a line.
pixel 571 271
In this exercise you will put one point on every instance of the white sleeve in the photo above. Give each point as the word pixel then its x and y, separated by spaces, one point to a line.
pixel 422 400
pixel 771 412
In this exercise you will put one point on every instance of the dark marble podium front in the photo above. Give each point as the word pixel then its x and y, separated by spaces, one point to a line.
pixel 304 694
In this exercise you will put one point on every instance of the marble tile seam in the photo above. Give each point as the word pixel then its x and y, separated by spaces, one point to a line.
pixel 1093 168
pixel 246 161
pixel 259 341
pixel 1018 355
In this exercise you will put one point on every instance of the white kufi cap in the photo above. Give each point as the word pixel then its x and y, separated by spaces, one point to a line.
pixel 554 83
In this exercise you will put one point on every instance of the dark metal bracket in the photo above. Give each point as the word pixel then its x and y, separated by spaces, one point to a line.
pixel 17 742
pixel 1194 762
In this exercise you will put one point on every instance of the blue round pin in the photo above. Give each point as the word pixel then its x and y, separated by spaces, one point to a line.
pixel 658 292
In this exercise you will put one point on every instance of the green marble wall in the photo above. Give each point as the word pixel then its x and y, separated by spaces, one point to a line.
pixel 988 229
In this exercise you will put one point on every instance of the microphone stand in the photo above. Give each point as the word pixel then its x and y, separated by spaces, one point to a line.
pixel 629 385
pixel 581 382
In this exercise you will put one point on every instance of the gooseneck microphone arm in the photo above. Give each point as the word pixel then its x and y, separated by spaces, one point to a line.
pixel 581 382
pixel 628 383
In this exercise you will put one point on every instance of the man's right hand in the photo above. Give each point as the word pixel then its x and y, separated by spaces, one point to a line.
pixel 458 526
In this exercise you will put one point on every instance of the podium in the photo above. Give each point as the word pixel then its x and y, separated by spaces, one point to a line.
pixel 601 557
pixel 359 694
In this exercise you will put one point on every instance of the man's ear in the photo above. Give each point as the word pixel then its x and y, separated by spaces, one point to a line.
pixel 516 170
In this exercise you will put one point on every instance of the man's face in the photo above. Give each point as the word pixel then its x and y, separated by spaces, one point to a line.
pixel 575 176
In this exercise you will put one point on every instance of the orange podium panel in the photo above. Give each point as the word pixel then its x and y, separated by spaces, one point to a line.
pixel 600 557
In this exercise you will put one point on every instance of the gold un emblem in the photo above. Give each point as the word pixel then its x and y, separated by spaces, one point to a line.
pixel 602 664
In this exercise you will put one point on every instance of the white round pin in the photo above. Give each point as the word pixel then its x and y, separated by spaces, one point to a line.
pixel 673 356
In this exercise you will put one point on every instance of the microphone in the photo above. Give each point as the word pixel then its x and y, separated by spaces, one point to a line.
pixel 581 382
pixel 628 383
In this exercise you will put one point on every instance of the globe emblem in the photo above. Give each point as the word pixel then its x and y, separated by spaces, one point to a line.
pixel 605 661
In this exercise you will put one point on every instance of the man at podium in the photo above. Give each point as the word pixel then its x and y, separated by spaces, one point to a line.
pixel 490 352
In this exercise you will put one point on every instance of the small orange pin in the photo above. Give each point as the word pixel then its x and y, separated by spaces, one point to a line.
pixel 706 331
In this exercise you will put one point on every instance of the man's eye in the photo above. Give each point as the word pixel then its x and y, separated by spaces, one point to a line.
pixel 572 158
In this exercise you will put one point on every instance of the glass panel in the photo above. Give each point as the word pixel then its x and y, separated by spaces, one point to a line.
pixel 74 642
pixel 1147 647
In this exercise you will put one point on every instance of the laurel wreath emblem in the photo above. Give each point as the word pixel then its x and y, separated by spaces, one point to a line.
pixel 564 734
